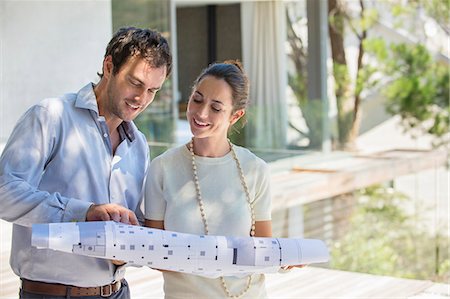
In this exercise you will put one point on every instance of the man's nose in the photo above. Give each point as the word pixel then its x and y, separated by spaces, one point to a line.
pixel 143 96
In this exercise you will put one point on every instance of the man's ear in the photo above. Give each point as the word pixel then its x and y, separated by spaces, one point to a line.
pixel 236 116
pixel 107 66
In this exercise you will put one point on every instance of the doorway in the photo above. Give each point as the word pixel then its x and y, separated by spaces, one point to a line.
pixel 205 34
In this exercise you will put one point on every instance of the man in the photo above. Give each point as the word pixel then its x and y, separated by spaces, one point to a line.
pixel 81 158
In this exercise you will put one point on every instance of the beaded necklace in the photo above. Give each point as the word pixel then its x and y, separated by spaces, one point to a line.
pixel 203 213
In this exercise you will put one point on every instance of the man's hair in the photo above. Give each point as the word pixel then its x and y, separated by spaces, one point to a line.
pixel 148 44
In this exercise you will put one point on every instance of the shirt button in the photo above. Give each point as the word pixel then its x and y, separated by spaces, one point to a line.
pixel 105 135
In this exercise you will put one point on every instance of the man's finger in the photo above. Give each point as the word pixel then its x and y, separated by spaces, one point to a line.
pixel 124 216
pixel 104 216
pixel 115 215
pixel 133 218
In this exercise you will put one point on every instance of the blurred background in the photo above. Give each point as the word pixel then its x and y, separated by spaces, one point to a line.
pixel 349 106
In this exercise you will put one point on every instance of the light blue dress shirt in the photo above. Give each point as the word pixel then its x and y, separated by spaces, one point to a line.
pixel 57 162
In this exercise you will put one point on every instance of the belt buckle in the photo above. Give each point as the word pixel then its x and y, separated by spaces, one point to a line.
pixel 113 288
pixel 102 292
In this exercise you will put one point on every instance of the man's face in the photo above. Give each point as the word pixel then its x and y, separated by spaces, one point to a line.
pixel 131 89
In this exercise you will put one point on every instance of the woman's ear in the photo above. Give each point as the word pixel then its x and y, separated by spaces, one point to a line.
pixel 236 116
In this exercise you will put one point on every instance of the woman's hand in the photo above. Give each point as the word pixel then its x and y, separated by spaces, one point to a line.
pixel 118 263
pixel 159 224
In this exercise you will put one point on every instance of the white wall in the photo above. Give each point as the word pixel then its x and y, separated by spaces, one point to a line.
pixel 48 48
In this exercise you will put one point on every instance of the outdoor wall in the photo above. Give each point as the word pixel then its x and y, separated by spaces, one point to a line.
pixel 48 48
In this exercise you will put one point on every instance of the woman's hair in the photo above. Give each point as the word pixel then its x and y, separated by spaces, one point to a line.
pixel 232 72
pixel 149 44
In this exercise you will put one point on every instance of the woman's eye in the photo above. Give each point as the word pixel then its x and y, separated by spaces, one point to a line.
pixel 216 109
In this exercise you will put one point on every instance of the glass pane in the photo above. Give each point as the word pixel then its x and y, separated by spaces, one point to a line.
pixel 305 116
pixel 157 122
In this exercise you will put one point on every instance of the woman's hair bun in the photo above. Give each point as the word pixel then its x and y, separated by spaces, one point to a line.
pixel 236 63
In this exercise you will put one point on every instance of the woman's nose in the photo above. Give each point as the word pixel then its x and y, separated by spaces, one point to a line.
pixel 202 110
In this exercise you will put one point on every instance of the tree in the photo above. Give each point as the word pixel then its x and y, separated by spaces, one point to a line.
pixel 298 83
pixel 418 91
pixel 429 114
pixel 439 10
pixel 347 91
pixel 419 82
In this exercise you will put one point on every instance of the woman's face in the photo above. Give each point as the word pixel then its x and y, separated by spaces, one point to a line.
pixel 210 108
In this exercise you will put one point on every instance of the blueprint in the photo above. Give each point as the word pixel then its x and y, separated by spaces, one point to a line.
pixel 205 255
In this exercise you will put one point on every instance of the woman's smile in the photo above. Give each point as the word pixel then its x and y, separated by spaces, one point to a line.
pixel 200 123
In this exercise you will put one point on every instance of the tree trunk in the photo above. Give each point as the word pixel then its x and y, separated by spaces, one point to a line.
pixel 348 104
pixel 356 124
pixel 344 101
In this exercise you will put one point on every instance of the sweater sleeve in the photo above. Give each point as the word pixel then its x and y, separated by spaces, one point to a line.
pixel 263 198
pixel 155 204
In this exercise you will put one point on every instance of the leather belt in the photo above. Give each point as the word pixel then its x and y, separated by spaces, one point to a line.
pixel 55 289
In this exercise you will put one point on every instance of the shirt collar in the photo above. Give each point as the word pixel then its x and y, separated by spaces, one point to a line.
pixel 128 129
pixel 86 100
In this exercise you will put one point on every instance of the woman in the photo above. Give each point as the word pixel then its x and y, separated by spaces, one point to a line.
pixel 210 186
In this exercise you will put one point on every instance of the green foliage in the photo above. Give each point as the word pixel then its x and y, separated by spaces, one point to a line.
pixel 419 91
pixel 383 239
pixel 398 10
pixel 157 128
pixel 151 14
pixel 419 86
pixel 312 110
pixel 368 19
pixel 377 47
pixel 237 133
pixel 439 10
pixel 341 78
pixel 298 84
pixel 367 78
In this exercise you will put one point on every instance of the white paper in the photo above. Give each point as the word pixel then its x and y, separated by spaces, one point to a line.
pixel 210 256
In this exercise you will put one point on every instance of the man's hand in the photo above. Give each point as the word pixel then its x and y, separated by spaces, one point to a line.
pixel 111 211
